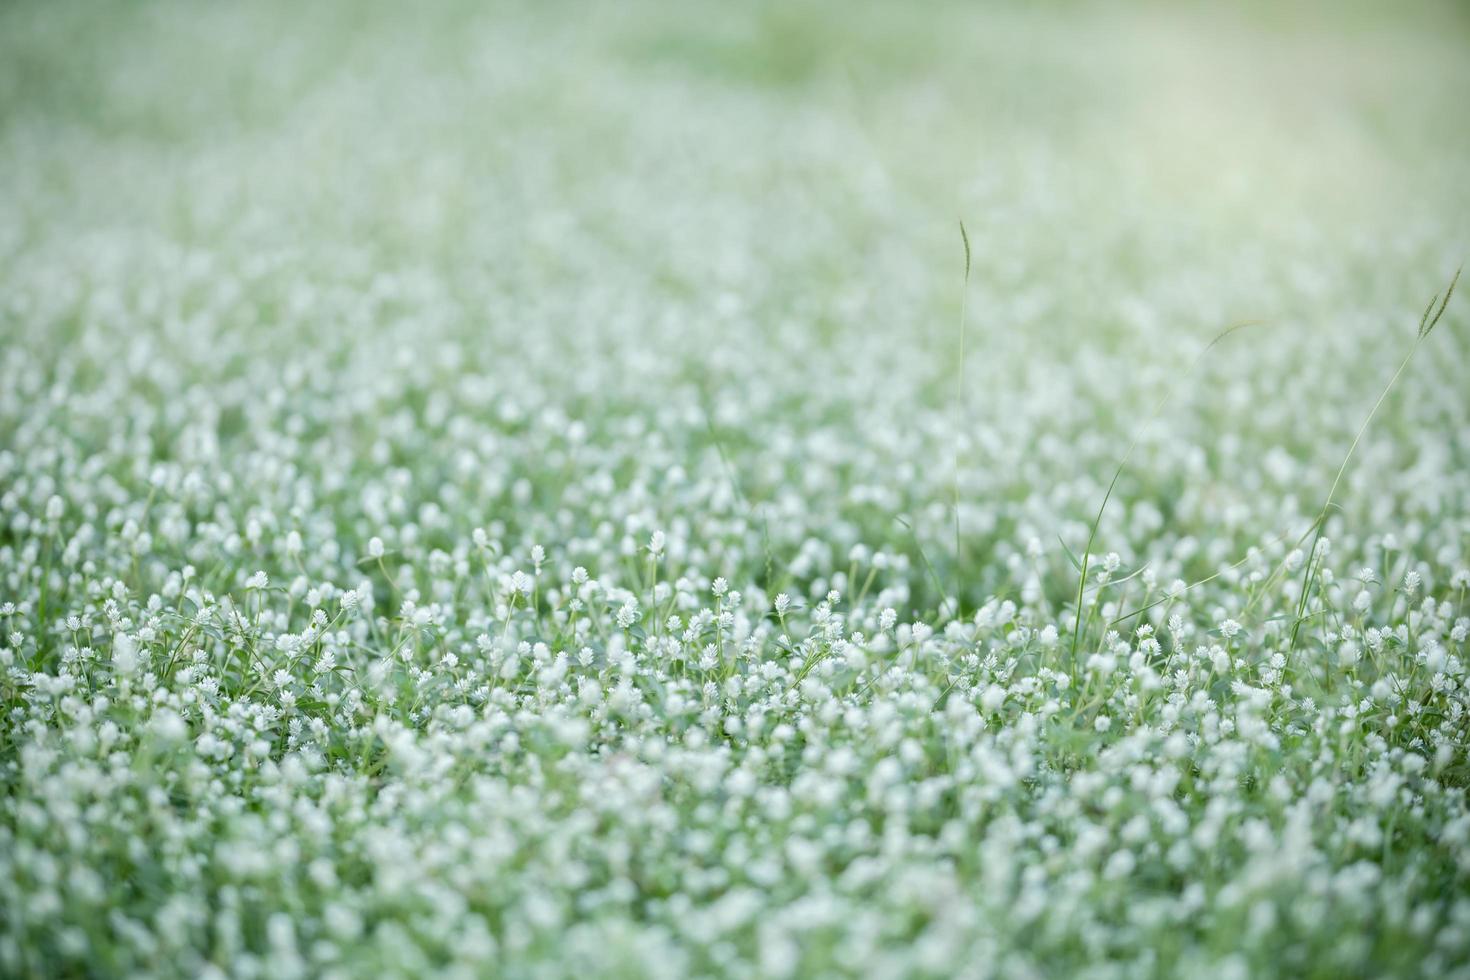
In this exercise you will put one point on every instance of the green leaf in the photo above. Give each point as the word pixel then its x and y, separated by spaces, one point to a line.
pixel 1076 562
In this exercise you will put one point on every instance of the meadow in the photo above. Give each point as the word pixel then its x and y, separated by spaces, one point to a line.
pixel 759 491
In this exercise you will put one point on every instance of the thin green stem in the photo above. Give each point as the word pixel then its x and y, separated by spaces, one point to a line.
pixel 959 411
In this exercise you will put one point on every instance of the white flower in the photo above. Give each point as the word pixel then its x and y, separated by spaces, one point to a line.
pixel 168 726
pixel 124 654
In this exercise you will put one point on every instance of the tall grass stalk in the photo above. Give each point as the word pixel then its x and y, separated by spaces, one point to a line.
pixel 959 420
pixel 1313 566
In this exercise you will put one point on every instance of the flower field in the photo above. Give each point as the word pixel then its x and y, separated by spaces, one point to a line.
pixel 791 490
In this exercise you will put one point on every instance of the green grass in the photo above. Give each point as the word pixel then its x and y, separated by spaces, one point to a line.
pixel 533 492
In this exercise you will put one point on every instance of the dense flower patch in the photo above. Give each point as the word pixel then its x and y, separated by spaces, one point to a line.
pixel 464 517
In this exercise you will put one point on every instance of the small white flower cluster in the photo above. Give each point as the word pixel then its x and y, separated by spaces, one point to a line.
pixel 461 521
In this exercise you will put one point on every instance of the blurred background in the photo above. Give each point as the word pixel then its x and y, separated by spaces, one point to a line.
pixel 504 132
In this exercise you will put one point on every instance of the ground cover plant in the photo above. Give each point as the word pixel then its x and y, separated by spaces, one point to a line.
pixel 540 492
